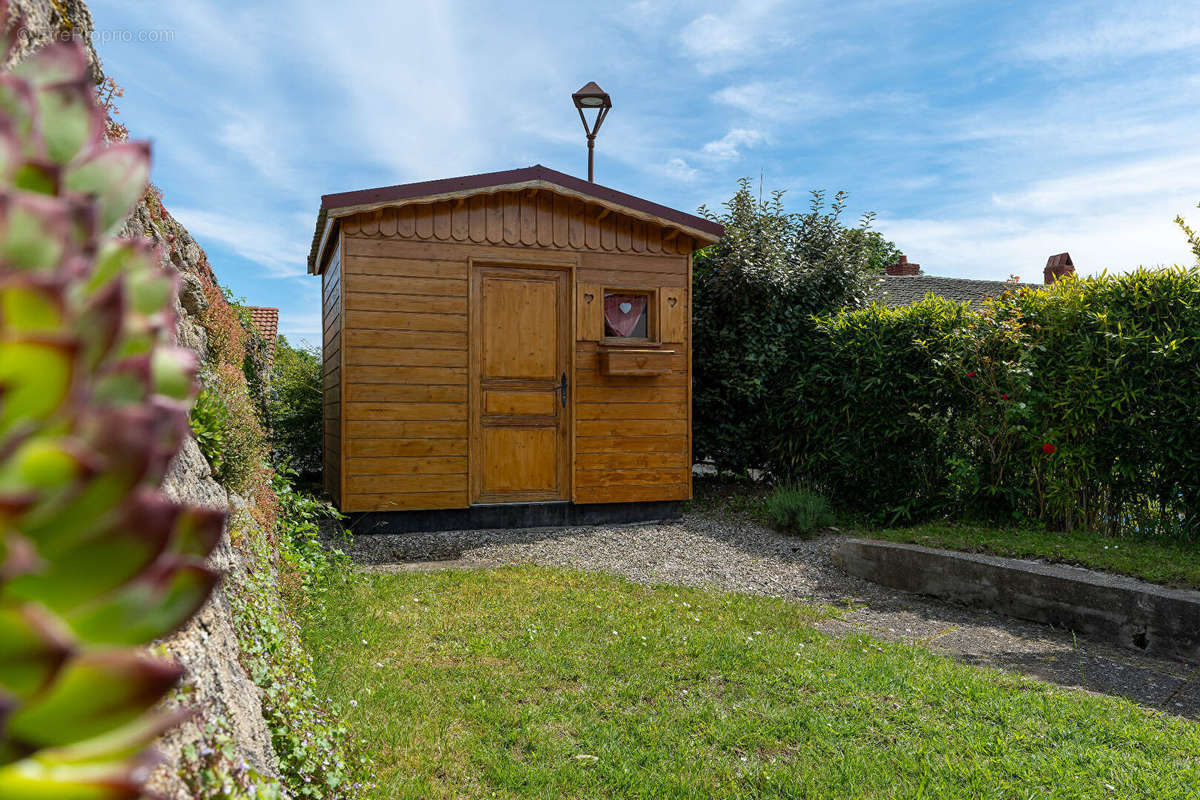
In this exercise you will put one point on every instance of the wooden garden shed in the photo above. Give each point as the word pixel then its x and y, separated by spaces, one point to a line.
pixel 511 340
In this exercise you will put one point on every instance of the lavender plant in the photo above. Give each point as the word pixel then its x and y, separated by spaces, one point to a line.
pixel 94 560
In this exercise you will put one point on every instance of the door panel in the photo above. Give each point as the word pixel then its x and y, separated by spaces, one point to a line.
pixel 520 326
pixel 519 460
pixel 501 403
pixel 520 352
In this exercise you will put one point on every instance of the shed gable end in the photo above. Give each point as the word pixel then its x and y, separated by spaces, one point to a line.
pixel 531 217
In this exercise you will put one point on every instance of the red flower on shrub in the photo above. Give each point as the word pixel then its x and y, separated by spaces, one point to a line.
pixel 970 374
pixel 1048 449
pixel 1003 397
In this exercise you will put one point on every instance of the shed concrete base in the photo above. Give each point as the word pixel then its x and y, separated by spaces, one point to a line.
pixel 513 515
pixel 1142 616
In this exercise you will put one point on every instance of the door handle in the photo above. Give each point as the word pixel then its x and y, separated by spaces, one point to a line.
pixel 562 387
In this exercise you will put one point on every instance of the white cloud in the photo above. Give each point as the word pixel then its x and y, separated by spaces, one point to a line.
pixel 775 99
pixel 993 248
pixel 1081 33
pixel 680 170
pixel 406 87
pixel 281 250
pixel 726 148
pixel 259 144
pixel 1153 183
pixel 788 100
pixel 1114 218
pixel 720 42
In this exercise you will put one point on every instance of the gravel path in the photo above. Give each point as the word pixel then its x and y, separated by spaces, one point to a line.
pixel 731 553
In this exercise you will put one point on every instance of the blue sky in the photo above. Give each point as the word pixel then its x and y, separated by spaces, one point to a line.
pixel 986 135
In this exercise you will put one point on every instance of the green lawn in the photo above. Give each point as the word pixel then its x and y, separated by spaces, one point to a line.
pixel 529 682
pixel 1160 561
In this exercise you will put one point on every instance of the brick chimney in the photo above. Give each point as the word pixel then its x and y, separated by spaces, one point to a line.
pixel 1058 266
pixel 902 267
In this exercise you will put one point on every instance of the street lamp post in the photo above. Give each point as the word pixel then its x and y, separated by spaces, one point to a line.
pixel 591 97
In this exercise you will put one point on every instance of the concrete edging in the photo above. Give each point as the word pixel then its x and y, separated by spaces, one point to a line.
pixel 1128 612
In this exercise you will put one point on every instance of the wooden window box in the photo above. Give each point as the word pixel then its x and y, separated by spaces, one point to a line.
pixel 635 361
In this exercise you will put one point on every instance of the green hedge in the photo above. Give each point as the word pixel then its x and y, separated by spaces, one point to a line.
pixel 1075 404
pixel 872 403
pixel 294 408
pixel 754 294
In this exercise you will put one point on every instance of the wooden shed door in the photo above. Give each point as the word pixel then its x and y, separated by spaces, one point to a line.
pixel 520 356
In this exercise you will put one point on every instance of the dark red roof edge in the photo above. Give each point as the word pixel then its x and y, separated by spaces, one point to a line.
pixel 408 191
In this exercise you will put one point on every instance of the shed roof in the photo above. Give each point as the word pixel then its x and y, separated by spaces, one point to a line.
pixel 334 206
pixel 900 290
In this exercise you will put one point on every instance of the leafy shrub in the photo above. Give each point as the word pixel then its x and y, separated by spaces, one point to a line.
pixel 1072 404
pixel 1114 373
pixel 233 340
pixel 286 570
pixel 295 410
pixel 307 733
pixel 225 326
pixel 873 413
pixel 208 422
pixel 754 292
pixel 799 509
pixel 301 547
pixel 226 425
pixel 228 421
pixel 96 561
pixel 881 253
pixel 286 575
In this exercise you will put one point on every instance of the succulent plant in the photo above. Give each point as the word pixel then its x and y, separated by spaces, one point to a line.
pixel 94 560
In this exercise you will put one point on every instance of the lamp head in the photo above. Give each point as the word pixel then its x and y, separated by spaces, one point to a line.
pixel 591 96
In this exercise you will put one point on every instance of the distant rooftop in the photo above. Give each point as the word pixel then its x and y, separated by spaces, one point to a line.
pixel 900 290
pixel 904 284
pixel 267 322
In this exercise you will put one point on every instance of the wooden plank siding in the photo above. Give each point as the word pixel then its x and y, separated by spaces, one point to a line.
pixel 632 433
pixel 331 372
pixel 406 376
pixel 397 358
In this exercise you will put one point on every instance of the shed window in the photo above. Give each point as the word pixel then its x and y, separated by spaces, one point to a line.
pixel 627 315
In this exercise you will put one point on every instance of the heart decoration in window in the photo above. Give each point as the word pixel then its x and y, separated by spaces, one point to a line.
pixel 623 312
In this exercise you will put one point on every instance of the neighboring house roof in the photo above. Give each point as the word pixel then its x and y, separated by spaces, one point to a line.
pixel 267 322
pixel 900 290
pixel 334 206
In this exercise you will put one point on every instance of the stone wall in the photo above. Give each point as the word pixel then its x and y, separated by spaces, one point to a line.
pixel 45 21
pixel 216 685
